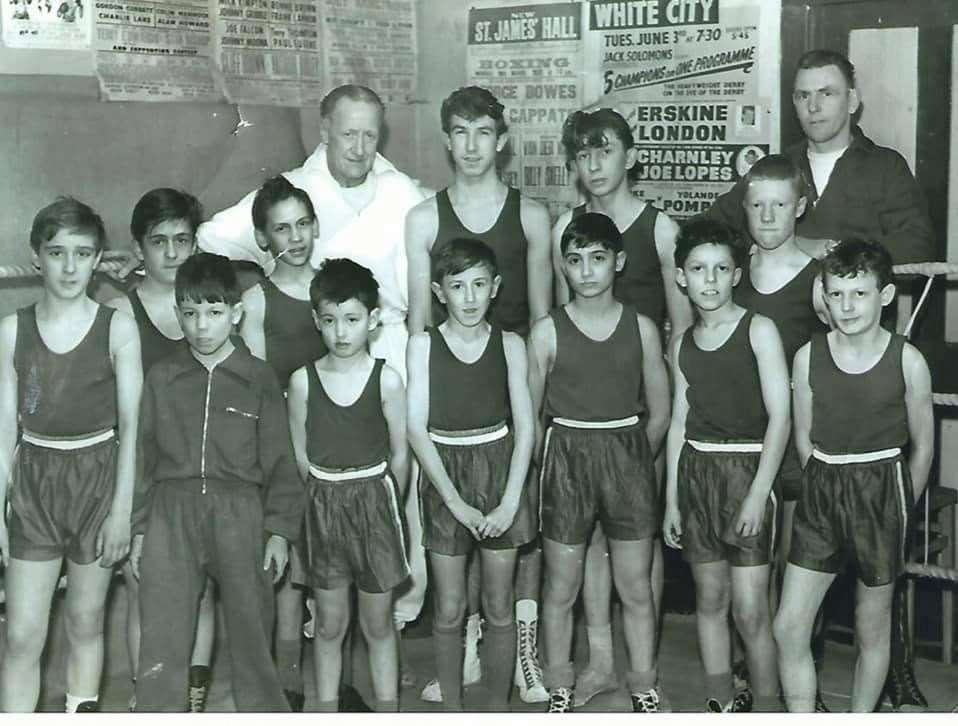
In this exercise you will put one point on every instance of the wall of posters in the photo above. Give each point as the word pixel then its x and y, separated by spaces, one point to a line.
pixel 59 24
pixel 269 51
pixel 154 50
pixel 372 43
pixel 530 56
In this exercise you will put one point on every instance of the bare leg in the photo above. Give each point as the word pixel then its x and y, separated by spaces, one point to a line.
pixel 873 633
pixel 85 603
pixel 560 588
pixel 332 616
pixel 449 584
pixel 376 622
pixel 750 610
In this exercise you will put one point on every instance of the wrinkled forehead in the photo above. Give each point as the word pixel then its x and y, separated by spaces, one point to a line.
pixel 356 114
pixel 814 79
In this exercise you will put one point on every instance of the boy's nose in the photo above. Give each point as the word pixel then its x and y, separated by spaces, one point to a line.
pixel 470 294
pixel 768 214
pixel 170 249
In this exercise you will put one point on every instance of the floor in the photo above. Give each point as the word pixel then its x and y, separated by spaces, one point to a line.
pixel 680 670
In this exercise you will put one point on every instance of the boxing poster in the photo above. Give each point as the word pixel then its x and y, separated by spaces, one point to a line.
pixel 154 50
pixel 51 24
pixel 269 52
pixel 697 81
pixel 530 57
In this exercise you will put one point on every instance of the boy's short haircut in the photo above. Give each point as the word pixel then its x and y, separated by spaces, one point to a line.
pixel 778 167
pixel 276 190
pixel 162 205
pixel 853 256
pixel 338 280
pixel 702 231
pixel 822 57
pixel 590 130
pixel 67 213
pixel 461 254
pixel 206 277
pixel 353 92
pixel 471 103
pixel 590 229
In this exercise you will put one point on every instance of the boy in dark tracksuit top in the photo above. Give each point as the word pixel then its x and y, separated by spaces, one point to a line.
pixel 597 364
pixel 862 395
pixel 467 383
pixel 218 478
pixel 730 424
pixel 347 418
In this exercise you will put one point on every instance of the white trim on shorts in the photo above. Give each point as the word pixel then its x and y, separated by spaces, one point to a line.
pixel 67 443
pixel 471 437
pixel 367 472
pixel 717 447
pixel 902 503
pixel 862 458
pixel 617 423
pixel 388 483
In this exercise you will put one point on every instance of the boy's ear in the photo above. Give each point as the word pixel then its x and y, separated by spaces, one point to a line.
pixel 631 157
pixel 261 240
pixel 437 291
pixel 680 278
pixel 887 294
pixel 854 101
pixel 315 318
pixel 502 141
pixel 315 228
pixel 800 206
pixel 496 282
pixel 236 314
pixel 620 260
pixel 373 322
pixel 448 142
pixel 736 276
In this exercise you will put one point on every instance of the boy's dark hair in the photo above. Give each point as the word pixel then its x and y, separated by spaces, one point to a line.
pixel 66 213
pixel 276 190
pixel 206 277
pixel 461 254
pixel 163 205
pixel 353 92
pixel 821 57
pixel 589 229
pixel 853 256
pixel 701 231
pixel 590 130
pixel 471 103
pixel 338 280
pixel 777 167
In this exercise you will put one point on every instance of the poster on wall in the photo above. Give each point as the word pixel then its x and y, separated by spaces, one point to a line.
pixel 372 43
pixel 51 24
pixel 269 51
pixel 154 50
pixel 530 57
pixel 697 80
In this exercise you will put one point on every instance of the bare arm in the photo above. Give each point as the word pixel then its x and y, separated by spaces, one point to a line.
pixel 542 351
pixel 535 224
pixel 921 420
pixel 252 328
pixel 394 410
pixel 802 403
pixel 8 421
pixel 296 397
pixel 672 526
pixel 655 384
pixel 113 542
pixel 422 226
pixel 676 301
pixel 562 294
pixel 121 303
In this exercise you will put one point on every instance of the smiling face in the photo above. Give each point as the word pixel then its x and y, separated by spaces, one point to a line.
pixel 855 302
pixel 708 275
pixel 352 136
pixel 165 247
pixel 771 207
pixel 67 261
pixel 345 326
pixel 289 232
pixel 474 144
pixel 603 169
pixel 468 294
pixel 824 104
pixel 591 270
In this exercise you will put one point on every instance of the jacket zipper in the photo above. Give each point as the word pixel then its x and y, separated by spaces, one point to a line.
pixel 206 421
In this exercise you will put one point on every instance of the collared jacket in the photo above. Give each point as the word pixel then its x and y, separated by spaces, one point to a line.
pixel 228 424
pixel 871 194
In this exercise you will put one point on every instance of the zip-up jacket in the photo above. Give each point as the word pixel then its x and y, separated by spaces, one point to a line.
pixel 226 425
pixel 871 194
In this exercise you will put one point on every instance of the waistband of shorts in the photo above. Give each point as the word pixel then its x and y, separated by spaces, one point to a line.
pixel 617 423
pixel 726 447
pixel 67 443
pixel 862 458
pixel 366 472
pixel 470 437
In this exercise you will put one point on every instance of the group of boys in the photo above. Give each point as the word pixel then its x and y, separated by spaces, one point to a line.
pixel 573 411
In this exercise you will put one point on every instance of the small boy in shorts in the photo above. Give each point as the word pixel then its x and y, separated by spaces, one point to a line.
pixel 219 497
pixel 862 398
pixel 163 226
pixel 730 425
pixel 347 418
pixel 70 383
pixel 467 381
pixel 278 327
pixel 597 365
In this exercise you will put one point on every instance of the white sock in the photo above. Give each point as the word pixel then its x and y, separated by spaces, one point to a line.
pixel 73 701
pixel 473 628
pixel 527 610
pixel 600 647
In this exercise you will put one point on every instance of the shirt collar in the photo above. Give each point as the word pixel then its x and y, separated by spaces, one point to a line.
pixel 240 362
